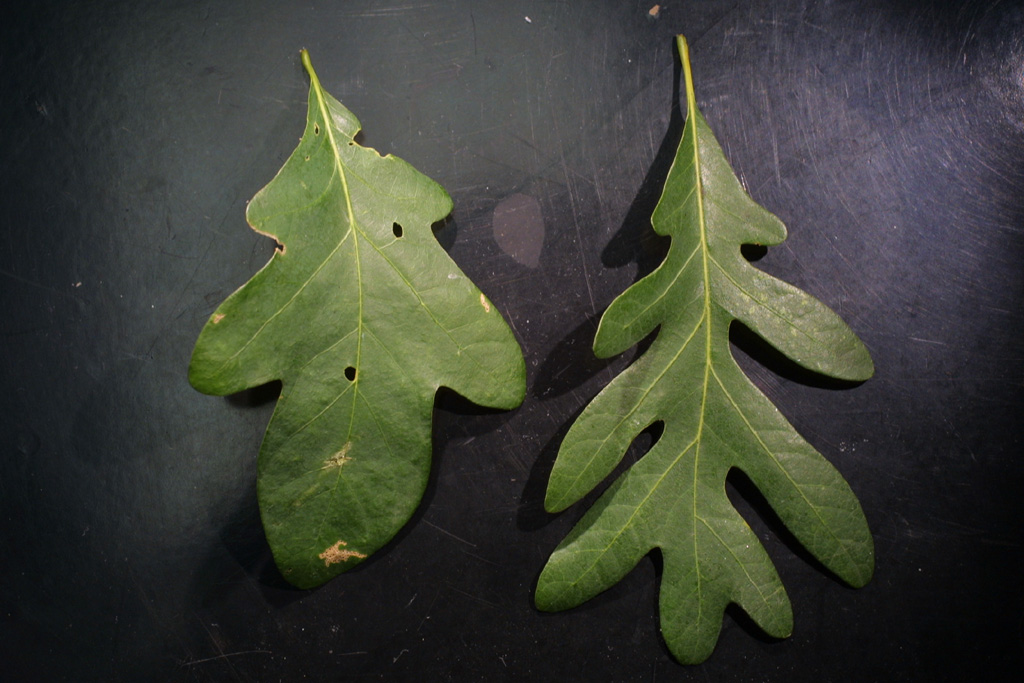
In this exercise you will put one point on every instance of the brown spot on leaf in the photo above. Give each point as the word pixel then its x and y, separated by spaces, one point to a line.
pixel 217 318
pixel 483 302
pixel 339 458
pixel 278 245
pixel 338 553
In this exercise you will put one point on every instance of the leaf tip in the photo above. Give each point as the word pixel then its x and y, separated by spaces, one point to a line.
pixel 543 600
pixel 860 367
pixel 518 384
pixel 864 570
pixel 548 595
pixel 866 369
pixel 199 378
pixel 555 501
pixel 609 340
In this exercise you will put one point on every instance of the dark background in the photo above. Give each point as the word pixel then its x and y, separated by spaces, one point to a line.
pixel 889 136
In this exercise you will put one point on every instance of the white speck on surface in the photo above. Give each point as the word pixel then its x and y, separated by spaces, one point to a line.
pixel 528 20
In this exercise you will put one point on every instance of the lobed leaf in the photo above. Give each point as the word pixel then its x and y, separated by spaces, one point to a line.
pixel 714 418
pixel 362 316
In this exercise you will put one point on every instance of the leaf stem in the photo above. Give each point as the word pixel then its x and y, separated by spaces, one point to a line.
pixel 684 54
pixel 308 63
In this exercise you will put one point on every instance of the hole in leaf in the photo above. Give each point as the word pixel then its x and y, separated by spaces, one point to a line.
pixel 397 229
pixel 316 128
pixel 350 374
pixel 753 252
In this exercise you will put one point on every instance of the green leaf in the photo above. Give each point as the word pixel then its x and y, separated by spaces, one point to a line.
pixel 714 419
pixel 362 316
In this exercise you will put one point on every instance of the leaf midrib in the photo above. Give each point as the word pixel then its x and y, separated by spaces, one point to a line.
pixel 706 321
pixel 354 231
pixel 706 257
pixel 691 115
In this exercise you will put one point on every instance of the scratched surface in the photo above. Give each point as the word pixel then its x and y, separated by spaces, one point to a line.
pixel 889 136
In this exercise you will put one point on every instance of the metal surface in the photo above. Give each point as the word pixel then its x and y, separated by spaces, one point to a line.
pixel 888 136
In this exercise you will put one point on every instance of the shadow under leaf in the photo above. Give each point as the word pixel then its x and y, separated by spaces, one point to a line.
pixel 751 344
pixel 255 396
pixel 749 502
pixel 636 240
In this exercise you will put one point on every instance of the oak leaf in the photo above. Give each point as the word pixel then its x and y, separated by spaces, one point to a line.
pixel 714 419
pixel 362 316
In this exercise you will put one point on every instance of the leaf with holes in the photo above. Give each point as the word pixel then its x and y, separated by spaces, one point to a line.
pixel 714 419
pixel 362 316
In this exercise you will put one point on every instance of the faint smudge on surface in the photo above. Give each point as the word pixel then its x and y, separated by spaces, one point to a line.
pixel 519 228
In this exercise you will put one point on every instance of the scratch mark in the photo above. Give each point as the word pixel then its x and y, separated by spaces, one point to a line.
pixel 482 559
pixel 429 609
pixel 576 225
pixel 927 341
pixel 448 533
pixel 226 655
pixel 472 21
pixel 473 597
pixel 18 278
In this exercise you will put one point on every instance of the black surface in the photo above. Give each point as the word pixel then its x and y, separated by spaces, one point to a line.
pixel 888 136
